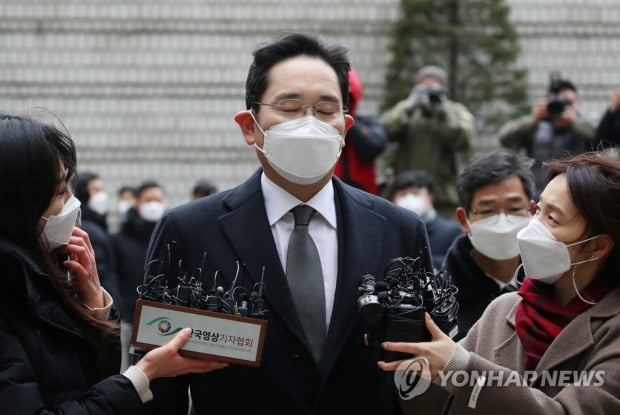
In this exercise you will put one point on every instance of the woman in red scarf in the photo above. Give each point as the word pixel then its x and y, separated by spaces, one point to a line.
pixel 554 346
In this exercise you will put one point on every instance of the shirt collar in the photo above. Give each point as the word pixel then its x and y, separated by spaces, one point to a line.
pixel 278 201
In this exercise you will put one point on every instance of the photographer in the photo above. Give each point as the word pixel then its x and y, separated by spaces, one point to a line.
pixel 554 129
pixel 430 132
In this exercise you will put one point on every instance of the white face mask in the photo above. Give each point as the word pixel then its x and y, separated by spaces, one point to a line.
pixel 152 211
pixel 99 202
pixel 58 228
pixel 303 150
pixel 545 258
pixel 123 206
pixel 496 236
pixel 414 203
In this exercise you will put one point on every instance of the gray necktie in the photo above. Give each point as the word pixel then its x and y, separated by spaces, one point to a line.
pixel 305 280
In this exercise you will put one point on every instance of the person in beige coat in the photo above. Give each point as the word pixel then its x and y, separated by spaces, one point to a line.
pixel 554 346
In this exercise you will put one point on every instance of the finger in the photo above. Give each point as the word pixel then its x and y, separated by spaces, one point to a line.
pixel 435 331
pixel 180 339
pixel 411 348
pixel 366 339
pixel 389 366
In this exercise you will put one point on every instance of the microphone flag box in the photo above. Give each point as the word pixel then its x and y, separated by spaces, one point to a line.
pixel 217 336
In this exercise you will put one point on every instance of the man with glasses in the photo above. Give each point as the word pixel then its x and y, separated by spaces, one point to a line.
pixel 495 194
pixel 313 236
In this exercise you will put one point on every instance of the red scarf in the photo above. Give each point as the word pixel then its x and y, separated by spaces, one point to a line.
pixel 540 319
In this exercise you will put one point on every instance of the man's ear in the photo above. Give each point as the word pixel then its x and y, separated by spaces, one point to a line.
pixel 532 207
pixel 461 215
pixel 348 123
pixel 248 126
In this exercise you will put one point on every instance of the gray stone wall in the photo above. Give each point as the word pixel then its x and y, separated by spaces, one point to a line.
pixel 148 89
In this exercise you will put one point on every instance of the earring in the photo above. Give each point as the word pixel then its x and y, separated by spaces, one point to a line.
pixel 577 290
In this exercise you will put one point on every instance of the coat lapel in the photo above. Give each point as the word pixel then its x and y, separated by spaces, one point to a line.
pixel 511 347
pixel 360 232
pixel 247 228
pixel 575 338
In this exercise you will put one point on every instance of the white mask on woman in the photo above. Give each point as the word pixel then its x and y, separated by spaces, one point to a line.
pixel 496 236
pixel 302 150
pixel 545 258
pixel 58 228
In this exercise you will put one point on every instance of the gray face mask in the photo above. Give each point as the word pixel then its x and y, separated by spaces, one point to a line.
pixel 58 228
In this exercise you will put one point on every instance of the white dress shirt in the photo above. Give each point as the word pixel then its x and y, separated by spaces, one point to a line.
pixel 322 229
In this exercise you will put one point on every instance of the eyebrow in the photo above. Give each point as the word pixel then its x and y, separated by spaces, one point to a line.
pixel 489 201
pixel 552 207
pixel 294 95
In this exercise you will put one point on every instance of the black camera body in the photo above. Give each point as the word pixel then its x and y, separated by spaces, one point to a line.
pixel 556 106
pixel 431 100
pixel 394 309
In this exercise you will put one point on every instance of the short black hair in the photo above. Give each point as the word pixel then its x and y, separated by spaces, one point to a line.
pixel 127 188
pixel 412 178
pixel 288 46
pixel 561 84
pixel 493 167
pixel 204 188
pixel 81 189
pixel 148 184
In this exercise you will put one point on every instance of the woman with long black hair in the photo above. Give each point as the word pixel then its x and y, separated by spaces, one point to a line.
pixel 59 348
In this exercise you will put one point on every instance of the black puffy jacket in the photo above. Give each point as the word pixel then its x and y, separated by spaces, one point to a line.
pixel 46 364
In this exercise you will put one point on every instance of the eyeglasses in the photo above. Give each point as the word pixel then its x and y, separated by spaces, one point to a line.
pixel 293 108
pixel 516 211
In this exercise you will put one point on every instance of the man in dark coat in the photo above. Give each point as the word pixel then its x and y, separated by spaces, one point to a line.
pixel 130 244
pixel 296 92
pixel 495 192
pixel 94 199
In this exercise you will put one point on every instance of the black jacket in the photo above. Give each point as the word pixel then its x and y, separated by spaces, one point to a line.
pixel 476 290
pixel 46 364
pixel 130 245
pixel 441 233
pixel 608 130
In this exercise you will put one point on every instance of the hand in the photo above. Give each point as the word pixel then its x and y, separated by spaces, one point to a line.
pixel 438 351
pixel 165 360
pixel 539 112
pixel 615 101
pixel 83 268
pixel 566 119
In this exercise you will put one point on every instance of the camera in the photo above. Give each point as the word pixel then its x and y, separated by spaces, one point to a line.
pixel 393 309
pixel 431 100
pixel 556 106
